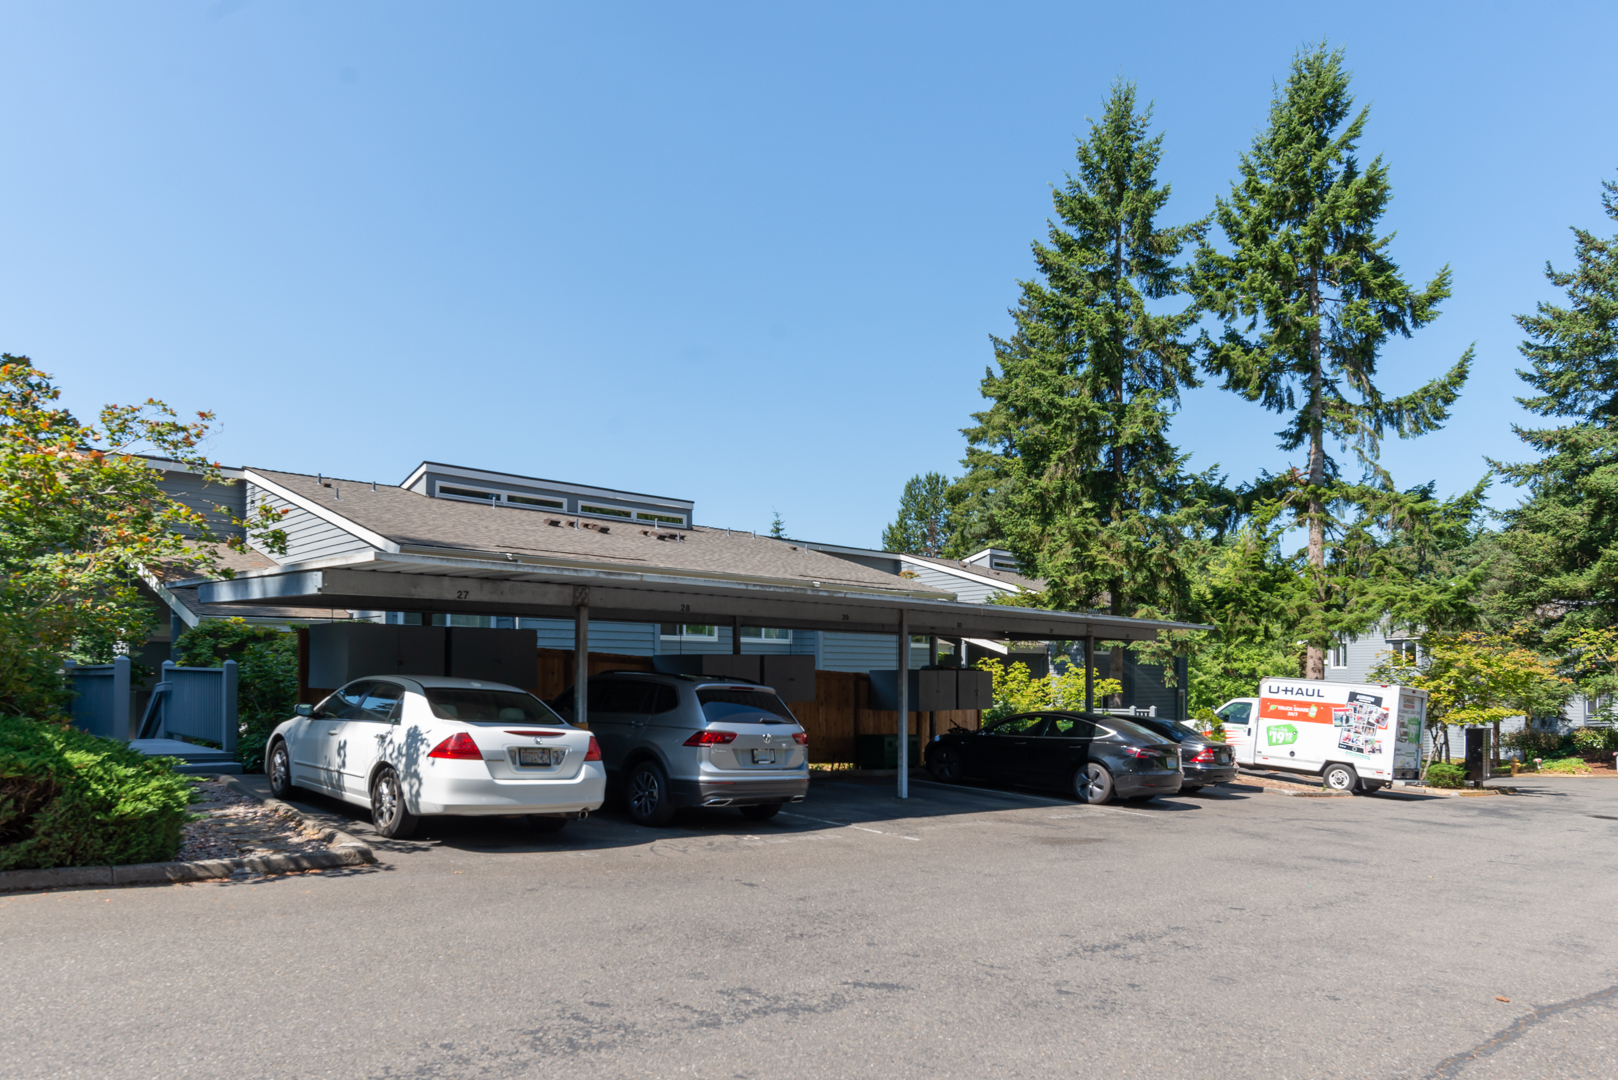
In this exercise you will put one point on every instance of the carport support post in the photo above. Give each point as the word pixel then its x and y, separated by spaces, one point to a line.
pixel 1089 674
pixel 581 654
pixel 904 704
pixel 736 635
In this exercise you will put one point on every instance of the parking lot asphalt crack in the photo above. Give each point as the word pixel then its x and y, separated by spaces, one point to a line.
pixel 1452 1066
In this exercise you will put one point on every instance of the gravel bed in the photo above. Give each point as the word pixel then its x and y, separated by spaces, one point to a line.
pixel 238 827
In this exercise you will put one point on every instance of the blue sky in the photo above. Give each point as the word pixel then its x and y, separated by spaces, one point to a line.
pixel 745 254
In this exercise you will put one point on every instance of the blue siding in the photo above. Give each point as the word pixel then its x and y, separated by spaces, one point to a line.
pixel 864 652
pixel 308 536
pixel 966 590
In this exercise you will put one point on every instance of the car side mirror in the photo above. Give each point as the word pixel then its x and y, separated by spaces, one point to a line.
pixel 303 710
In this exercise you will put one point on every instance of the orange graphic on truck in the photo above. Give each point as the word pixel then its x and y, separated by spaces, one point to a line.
pixel 1308 712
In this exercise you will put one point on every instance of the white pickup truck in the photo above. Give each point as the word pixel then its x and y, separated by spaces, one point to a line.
pixel 1356 736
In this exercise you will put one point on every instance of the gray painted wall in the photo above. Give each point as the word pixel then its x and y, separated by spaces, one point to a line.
pixel 189 490
pixel 841 651
pixel 966 590
pixel 308 536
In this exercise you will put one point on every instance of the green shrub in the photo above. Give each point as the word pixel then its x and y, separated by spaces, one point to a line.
pixel 1446 774
pixel 1538 744
pixel 1595 744
pixel 1564 765
pixel 72 799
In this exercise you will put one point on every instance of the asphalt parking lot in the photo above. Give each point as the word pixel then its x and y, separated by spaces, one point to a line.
pixel 963 933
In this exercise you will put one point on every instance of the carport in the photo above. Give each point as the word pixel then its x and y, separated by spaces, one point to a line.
pixel 512 584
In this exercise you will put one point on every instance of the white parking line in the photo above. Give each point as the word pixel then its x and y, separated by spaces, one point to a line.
pixel 1108 809
pixel 846 825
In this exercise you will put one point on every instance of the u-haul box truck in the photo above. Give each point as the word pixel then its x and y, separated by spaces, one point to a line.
pixel 1358 736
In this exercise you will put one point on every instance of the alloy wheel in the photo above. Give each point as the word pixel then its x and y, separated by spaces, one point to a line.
pixel 645 793
pixel 387 799
pixel 278 768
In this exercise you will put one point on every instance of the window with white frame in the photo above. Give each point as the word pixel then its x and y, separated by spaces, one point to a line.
pixel 1404 652
pixel 452 492
pixel 1339 654
pixel 765 633
pixel 536 503
pixel 690 631
pixel 521 502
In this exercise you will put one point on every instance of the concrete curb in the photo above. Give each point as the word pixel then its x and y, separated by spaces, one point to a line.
pixel 345 851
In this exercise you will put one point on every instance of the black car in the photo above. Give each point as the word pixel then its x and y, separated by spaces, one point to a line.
pixel 1095 758
pixel 1203 759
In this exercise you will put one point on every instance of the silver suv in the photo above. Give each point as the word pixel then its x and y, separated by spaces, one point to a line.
pixel 685 740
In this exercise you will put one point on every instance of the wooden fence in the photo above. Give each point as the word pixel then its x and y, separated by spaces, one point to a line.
pixel 839 714
pixel 834 721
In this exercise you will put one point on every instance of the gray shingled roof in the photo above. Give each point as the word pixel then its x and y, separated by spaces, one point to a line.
pixel 417 521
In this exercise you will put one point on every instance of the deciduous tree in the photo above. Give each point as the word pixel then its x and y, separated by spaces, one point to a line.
pixel 82 517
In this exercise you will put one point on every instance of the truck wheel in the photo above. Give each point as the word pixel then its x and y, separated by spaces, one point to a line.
pixel 1341 778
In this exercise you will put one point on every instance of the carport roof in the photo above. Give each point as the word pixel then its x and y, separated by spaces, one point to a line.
pixel 550 586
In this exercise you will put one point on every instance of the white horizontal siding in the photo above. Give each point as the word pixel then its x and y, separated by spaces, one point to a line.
pixel 308 536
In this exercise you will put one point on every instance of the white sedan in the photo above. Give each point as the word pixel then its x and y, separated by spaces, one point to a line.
pixel 412 746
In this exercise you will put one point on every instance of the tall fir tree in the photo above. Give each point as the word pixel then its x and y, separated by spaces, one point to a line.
pixel 1071 460
pixel 922 524
pixel 1309 296
pixel 1562 542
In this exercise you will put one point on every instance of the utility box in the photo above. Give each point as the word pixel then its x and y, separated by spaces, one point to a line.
pixel 1477 754
pixel 713 665
pixel 974 689
pixel 931 689
pixel 342 652
pixel 504 656
pixel 791 677
pixel 882 752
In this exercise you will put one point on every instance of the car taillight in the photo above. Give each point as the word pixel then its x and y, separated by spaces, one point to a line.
pixel 1137 752
pixel 594 753
pixel 459 747
pixel 711 738
pixel 1205 756
pixel 801 738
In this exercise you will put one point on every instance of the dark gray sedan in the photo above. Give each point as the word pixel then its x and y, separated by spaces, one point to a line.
pixel 1096 758
pixel 1205 760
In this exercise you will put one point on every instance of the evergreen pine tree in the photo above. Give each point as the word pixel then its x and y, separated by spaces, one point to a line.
pixel 1309 296
pixel 1562 542
pixel 922 525
pixel 1071 461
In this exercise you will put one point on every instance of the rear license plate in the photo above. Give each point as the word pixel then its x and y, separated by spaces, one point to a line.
pixel 763 757
pixel 540 755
